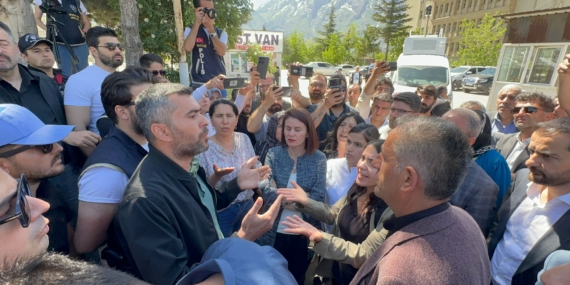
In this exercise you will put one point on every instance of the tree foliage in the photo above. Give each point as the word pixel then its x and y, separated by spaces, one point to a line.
pixel 480 44
pixel 254 51
pixel 156 20
pixel 294 49
pixel 322 42
pixel 392 17
pixel 335 53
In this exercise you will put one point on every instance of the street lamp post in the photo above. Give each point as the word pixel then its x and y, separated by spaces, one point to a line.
pixel 428 13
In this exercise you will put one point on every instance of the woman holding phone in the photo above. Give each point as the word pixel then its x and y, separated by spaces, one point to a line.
pixel 357 221
pixel 295 163
pixel 334 146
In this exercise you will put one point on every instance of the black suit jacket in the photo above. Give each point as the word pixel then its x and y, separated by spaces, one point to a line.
pixel 506 145
pixel 557 237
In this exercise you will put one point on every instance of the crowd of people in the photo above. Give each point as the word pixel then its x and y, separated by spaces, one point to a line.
pixel 121 177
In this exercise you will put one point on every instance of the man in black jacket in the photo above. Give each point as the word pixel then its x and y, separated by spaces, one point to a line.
pixel 37 92
pixel 167 218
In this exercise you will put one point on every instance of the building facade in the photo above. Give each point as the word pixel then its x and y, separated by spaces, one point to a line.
pixel 446 17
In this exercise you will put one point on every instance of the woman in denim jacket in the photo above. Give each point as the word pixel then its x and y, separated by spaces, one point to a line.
pixel 296 163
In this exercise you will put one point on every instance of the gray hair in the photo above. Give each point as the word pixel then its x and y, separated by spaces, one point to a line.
pixel 557 127
pixel 5 27
pixel 474 124
pixel 153 106
pixel 511 87
pixel 473 105
pixel 438 151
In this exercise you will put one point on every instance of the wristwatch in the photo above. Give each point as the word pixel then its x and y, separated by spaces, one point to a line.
pixel 213 35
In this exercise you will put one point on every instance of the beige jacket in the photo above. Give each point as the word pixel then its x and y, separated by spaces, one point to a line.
pixel 332 248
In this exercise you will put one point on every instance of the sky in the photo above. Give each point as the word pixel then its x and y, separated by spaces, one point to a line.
pixel 257 3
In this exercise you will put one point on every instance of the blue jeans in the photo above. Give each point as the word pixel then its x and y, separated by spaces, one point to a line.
pixel 556 258
pixel 81 51
pixel 230 218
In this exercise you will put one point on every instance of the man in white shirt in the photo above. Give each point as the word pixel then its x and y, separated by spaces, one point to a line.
pixel 114 160
pixel 535 220
pixel 531 109
pixel 82 96
pixel 355 77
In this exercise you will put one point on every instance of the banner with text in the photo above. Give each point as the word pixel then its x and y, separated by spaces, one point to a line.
pixel 269 41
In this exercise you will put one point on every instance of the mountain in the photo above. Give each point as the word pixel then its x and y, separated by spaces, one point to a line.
pixel 308 16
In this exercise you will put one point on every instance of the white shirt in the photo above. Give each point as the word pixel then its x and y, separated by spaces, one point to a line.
pixel 286 212
pixel 367 120
pixel 91 189
pixel 363 105
pixel 529 222
pixel 83 89
pixel 384 131
pixel 223 36
pixel 519 148
pixel 211 129
pixel 339 179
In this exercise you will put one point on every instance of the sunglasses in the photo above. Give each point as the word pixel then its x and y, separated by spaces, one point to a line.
pixel 47 148
pixel 527 109
pixel 157 72
pixel 19 209
pixel 113 46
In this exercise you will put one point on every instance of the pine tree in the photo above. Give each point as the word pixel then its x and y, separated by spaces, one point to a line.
pixel 392 17
pixel 329 30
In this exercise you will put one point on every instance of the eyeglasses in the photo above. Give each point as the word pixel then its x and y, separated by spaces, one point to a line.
pixel 394 110
pixel 113 46
pixel 157 72
pixel 20 209
pixel 527 109
pixel 45 150
pixel 316 84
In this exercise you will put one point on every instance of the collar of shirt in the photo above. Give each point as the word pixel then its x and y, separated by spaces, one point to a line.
pixel 526 142
pixel 534 192
pixel 194 166
pixel 497 119
pixel 395 224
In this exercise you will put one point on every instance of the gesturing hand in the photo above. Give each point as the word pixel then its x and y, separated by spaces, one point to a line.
pixel 221 172
pixel 296 194
pixel 564 67
pixel 249 176
pixel 297 226
pixel 255 225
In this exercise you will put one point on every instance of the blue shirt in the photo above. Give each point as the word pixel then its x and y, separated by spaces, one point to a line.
pixel 498 126
pixel 495 165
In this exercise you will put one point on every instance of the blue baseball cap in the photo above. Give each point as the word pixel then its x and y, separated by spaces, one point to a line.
pixel 19 125
pixel 241 262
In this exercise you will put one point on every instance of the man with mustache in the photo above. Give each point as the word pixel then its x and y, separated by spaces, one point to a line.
pixel 270 103
pixel 535 220
pixel 82 96
pixel 167 218
pixel 31 148
pixel 114 160
pixel 531 109
pixel 503 121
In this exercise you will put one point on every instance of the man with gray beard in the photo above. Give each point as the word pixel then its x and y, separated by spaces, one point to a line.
pixel 167 218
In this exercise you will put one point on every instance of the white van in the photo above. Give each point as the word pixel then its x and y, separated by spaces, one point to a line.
pixel 422 62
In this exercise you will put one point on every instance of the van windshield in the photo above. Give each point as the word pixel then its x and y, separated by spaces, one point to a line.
pixel 414 76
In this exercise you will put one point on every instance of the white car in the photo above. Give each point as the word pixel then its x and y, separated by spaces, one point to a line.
pixel 322 67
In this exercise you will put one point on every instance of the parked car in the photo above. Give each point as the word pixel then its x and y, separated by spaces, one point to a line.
pixel 346 68
pixel 457 74
pixel 322 67
pixel 480 82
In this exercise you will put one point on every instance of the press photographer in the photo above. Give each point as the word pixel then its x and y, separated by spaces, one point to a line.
pixel 70 19
pixel 206 43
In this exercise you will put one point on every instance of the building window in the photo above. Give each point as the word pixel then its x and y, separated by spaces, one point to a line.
pixel 511 67
pixel 470 3
pixel 421 14
pixel 464 3
pixel 446 7
pixel 435 12
pixel 545 62
pixel 458 5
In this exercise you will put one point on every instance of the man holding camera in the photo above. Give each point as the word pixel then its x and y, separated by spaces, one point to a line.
pixel 72 26
pixel 206 43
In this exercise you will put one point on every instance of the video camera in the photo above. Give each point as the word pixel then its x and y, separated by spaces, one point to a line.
pixel 306 71
pixel 50 6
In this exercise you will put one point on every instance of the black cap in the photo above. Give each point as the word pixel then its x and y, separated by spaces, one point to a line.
pixel 30 40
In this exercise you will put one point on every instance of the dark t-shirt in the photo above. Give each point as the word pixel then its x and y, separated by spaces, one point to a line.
pixel 241 127
pixel 58 214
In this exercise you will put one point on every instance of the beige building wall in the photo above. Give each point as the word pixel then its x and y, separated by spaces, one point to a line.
pixel 530 5
pixel 447 15
pixel 414 12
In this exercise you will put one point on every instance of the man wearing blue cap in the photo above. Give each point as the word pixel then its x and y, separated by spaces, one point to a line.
pixel 30 147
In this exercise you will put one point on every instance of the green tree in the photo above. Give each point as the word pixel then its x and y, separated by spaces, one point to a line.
pixel 480 44
pixel 329 30
pixel 352 42
pixel 368 46
pixel 294 49
pixel 312 51
pixel 392 16
pixel 101 12
pixel 335 53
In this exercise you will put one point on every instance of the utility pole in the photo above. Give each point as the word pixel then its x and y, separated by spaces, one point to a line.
pixel 428 13
pixel 179 24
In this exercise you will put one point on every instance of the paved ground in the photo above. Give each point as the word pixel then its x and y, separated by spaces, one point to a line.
pixel 458 96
